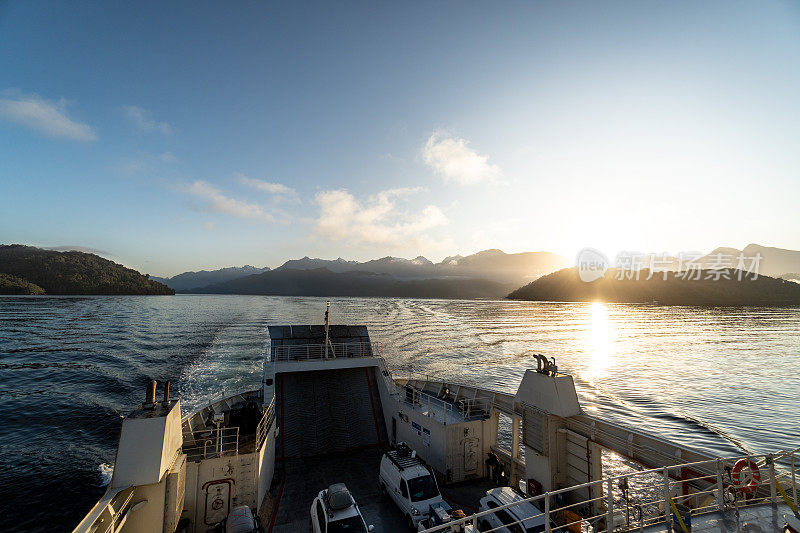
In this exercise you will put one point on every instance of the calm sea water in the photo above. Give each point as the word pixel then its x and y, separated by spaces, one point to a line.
pixel 725 379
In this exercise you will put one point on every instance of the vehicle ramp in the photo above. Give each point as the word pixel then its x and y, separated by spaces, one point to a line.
pixel 322 412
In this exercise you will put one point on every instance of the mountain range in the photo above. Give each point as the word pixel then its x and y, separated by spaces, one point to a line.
pixel 486 274
pixel 774 262
pixel 324 282
pixel 203 278
pixel 496 266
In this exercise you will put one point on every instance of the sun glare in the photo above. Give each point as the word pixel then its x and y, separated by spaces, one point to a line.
pixel 599 340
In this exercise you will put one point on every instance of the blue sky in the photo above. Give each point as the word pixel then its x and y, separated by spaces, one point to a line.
pixel 178 136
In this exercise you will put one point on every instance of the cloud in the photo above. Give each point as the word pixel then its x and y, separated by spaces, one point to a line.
pixel 276 189
pixel 217 202
pixel 454 160
pixel 45 117
pixel 143 121
pixel 378 220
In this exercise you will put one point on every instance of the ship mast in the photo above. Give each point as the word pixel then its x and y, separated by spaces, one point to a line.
pixel 327 314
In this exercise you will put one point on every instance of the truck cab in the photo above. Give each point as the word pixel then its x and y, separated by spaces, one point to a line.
pixel 409 483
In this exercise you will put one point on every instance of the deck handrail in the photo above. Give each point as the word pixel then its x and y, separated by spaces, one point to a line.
pixel 211 442
pixel 308 352
pixel 719 493
pixel 265 424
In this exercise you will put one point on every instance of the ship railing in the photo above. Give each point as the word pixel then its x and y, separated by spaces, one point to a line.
pixel 210 443
pixel 671 496
pixel 429 404
pixel 309 352
pixel 119 516
pixel 265 424
pixel 449 410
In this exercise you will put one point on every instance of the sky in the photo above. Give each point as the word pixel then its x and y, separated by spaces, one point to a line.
pixel 177 136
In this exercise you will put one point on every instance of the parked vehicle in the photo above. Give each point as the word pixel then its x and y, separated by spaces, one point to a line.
pixel 242 520
pixel 405 479
pixel 335 511
pixel 521 518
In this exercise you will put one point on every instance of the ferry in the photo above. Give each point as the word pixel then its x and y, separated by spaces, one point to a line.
pixel 305 450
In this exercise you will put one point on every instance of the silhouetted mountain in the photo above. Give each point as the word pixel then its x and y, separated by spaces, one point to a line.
pixel 323 282
pixel 72 273
pixel 500 266
pixel 308 263
pixel 493 265
pixel 204 278
pixel 773 261
pixel 741 289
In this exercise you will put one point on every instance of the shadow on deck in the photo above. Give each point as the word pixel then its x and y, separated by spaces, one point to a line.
pixel 358 469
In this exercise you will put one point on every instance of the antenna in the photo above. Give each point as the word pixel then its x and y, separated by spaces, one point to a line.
pixel 327 318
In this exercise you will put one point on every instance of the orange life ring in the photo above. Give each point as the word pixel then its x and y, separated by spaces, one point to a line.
pixel 746 475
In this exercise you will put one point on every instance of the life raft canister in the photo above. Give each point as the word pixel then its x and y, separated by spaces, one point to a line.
pixel 746 475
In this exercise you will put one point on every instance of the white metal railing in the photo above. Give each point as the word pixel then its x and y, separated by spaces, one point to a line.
pixel 208 443
pixel 118 514
pixel 307 352
pixel 645 498
pixel 466 408
pixel 264 425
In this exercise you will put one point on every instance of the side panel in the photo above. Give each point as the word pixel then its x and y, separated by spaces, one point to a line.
pixel 266 465
pixel 465 456
pixel 240 471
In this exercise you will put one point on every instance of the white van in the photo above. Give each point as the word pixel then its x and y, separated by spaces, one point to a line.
pixel 405 479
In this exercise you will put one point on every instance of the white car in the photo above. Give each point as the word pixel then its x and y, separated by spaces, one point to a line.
pixel 521 518
pixel 241 520
pixel 335 511
pixel 405 479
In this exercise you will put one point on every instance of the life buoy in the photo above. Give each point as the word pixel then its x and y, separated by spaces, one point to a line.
pixel 746 475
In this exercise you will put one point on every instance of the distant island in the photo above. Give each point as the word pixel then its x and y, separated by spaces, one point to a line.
pixel 566 286
pixel 30 270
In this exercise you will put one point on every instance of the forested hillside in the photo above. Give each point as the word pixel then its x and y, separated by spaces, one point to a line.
pixel 30 270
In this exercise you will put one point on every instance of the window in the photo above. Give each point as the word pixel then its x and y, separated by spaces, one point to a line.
pixel 352 524
pixel 404 488
pixel 321 516
pixel 423 488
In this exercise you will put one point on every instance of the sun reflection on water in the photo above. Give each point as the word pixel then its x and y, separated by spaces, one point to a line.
pixel 600 337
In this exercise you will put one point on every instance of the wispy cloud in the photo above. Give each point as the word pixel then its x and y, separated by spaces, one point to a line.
pixel 454 160
pixel 143 121
pixel 276 189
pixel 377 220
pixel 49 118
pixel 217 202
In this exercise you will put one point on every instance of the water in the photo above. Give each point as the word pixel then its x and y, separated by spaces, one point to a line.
pixel 723 379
